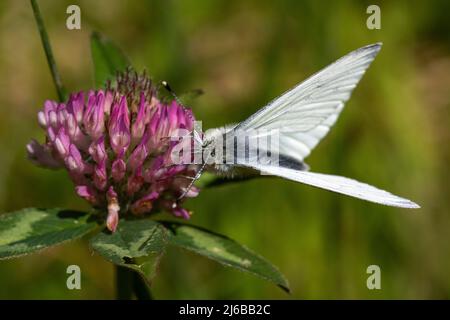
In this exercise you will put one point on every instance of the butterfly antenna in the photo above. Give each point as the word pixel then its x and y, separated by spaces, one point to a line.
pixel 166 85
pixel 196 177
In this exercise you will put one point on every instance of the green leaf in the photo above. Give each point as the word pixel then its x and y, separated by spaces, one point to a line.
pixel 136 244
pixel 29 230
pixel 223 250
pixel 108 59
pixel 188 97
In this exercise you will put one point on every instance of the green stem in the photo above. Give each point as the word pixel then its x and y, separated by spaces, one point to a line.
pixel 48 51
pixel 141 289
pixel 129 282
pixel 124 283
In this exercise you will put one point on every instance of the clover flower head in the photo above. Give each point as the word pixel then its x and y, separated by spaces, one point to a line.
pixel 116 145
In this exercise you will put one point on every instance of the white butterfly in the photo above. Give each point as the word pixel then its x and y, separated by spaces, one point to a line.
pixel 302 117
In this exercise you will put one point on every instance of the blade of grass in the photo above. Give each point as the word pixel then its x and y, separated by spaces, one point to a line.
pixel 48 51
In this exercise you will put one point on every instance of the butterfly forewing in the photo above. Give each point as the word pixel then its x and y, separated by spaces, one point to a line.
pixel 304 114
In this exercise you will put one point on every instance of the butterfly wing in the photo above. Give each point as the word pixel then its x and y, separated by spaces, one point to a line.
pixel 339 184
pixel 304 114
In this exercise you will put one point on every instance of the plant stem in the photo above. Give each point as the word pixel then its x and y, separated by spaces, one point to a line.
pixel 141 289
pixel 124 283
pixel 48 51
pixel 129 282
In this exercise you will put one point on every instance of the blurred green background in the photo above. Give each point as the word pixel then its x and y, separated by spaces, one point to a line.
pixel 393 134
